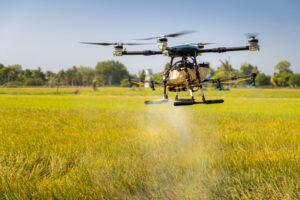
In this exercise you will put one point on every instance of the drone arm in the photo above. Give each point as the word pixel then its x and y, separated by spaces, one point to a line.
pixel 145 53
pixel 144 81
pixel 223 49
pixel 234 79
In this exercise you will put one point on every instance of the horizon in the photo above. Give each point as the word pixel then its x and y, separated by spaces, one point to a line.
pixel 47 34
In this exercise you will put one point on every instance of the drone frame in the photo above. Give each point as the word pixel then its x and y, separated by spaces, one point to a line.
pixel 184 52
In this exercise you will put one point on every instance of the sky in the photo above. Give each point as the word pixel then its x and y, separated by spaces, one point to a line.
pixel 48 33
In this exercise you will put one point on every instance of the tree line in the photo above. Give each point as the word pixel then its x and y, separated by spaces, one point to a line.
pixel 105 73
pixel 114 73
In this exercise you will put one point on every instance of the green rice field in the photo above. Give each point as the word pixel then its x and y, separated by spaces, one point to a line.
pixel 76 143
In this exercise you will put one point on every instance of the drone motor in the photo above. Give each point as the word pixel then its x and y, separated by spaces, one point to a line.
pixel 253 42
pixel 118 48
pixel 162 43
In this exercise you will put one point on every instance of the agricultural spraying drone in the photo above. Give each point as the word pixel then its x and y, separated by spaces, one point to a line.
pixel 186 73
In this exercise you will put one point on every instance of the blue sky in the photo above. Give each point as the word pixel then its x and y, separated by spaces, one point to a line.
pixel 47 33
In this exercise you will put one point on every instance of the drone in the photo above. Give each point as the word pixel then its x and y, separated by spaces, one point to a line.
pixel 186 73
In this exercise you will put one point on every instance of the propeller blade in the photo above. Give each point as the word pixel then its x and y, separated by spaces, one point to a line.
pixel 204 43
pixel 180 33
pixel 138 43
pixel 101 43
pixel 168 35
pixel 115 43
pixel 150 38
pixel 251 35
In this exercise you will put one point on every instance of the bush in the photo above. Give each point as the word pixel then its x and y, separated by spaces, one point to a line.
pixel 12 84
pixel 158 77
pixel 34 82
pixel 125 82
pixel 282 79
pixel 294 80
pixel 263 79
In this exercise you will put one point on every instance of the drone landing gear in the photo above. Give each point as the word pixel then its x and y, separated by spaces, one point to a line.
pixel 158 101
pixel 186 102
pixel 191 101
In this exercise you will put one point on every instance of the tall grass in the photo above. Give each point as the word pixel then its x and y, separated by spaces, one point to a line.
pixel 109 146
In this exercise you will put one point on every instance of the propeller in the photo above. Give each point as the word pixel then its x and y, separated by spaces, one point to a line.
pixel 202 43
pixel 168 35
pixel 114 43
pixel 251 35
pixel 253 41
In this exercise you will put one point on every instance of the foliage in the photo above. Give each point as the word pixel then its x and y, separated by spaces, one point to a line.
pixel 87 75
pixel 14 84
pixel 294 80
pixel 282 79
pixel 283 66
pixel 142 75
pixel 125 82
pixel 263 79
pixel 113 72
pixel 246 69
pixel 107 72
pixel 225 70
pixel 110 72
pixel 34 82
pixel 158 77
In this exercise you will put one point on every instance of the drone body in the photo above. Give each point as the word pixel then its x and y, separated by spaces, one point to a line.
pixel 186 73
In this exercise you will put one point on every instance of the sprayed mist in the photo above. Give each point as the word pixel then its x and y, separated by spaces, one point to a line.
pixel 177 151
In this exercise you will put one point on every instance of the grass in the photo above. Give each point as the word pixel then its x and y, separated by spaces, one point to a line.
pixel 108 145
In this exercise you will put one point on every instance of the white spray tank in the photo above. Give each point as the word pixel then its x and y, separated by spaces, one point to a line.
pixel 148 78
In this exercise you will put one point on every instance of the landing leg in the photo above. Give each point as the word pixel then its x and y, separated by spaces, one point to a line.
pixel 198 77
pixel 165 95
pixel 188 78
pixel 202 94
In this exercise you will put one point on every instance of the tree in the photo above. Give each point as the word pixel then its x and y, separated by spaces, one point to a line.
pixel 72 76
pixel 27 73
pixel 4 75
pixel 283 74
pixel 110 72
pixel 13 72
pixel 38 74
pixel 263 79
pixel 11 75
pixel 87 75
pixel 142 75
pixel 294 80
pixel 125 82
pixel 247 68
pixel 282 79
pixel 49 74
pixel 283 66
pixel 225 70
pixel 34 82
pixel 157 77
pixel 60 78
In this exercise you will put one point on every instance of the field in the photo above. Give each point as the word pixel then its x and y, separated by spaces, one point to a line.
pixel 107 144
